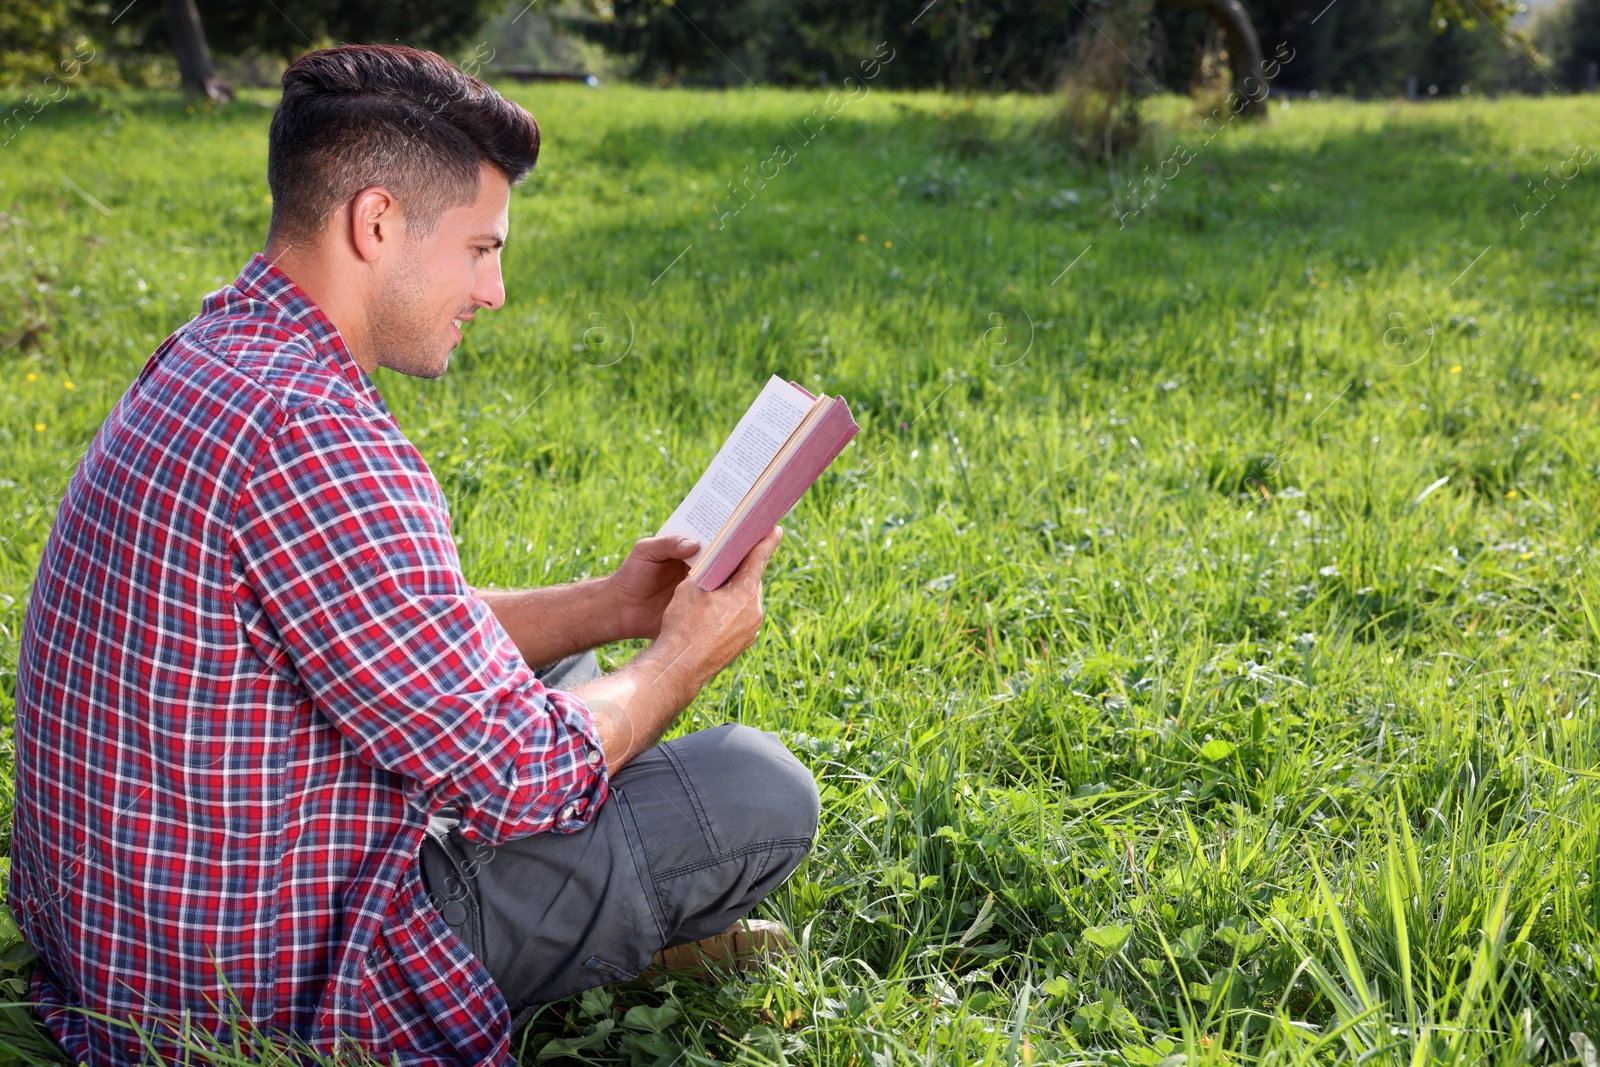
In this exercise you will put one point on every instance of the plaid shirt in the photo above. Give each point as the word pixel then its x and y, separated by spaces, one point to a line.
pixel 250 670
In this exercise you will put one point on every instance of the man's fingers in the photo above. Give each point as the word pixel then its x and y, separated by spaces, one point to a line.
pixel 665 548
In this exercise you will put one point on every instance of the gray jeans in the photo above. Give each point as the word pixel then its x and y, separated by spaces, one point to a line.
pixel 694 834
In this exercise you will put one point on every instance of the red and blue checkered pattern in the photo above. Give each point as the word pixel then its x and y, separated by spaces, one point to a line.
pixel 250 670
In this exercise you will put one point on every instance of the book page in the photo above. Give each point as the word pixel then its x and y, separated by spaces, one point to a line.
pixel 760 434
pixel 774 470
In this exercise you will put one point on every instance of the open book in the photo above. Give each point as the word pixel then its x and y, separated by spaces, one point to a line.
pixel 781 445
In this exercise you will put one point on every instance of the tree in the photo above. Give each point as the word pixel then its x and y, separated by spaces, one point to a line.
pixel 1362 47
pixel 1244 48
pixel 1571 36
pixel 48 44
pixel 289 28
pixel 189 47
pixel 41 37
pixel 1369 47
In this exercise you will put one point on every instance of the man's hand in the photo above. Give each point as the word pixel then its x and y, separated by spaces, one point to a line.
pixel 644 585
pixel 700 633
pixel 705 630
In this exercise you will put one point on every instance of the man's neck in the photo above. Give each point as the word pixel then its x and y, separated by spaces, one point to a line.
pixel 330 281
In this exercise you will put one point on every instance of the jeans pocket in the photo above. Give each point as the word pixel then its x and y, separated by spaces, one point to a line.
pixel 611 971
pixel 633 837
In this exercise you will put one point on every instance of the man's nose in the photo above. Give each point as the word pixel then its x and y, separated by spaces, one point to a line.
pixel 490 291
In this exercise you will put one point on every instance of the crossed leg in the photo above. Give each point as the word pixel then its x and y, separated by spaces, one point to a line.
pixel 694 834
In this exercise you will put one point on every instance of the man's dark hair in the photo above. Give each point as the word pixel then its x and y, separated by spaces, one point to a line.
pixel 411 121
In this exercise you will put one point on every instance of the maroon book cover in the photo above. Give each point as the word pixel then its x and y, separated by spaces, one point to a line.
pixel 805 466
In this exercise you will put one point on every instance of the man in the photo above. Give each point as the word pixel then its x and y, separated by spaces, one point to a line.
pixel 279 769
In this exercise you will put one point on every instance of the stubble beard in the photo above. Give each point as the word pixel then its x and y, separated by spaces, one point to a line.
pixel 402 327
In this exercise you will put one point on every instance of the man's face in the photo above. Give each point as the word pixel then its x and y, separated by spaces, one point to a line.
pixel 441 280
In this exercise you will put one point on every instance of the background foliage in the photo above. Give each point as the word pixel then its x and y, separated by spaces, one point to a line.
pixel 1571 36
pixel 1359 47
pixel 1362 47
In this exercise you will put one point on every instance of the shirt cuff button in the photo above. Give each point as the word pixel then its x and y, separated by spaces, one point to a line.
pixel 594 757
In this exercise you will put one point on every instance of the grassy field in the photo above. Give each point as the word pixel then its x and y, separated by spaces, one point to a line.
pixel 1197 649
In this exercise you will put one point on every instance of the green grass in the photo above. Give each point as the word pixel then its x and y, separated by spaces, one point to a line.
pixel 1196 658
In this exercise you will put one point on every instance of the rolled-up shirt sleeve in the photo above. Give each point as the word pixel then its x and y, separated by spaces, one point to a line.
pixel 342 541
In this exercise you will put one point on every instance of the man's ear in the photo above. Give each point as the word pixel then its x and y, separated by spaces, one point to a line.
pixel 376 222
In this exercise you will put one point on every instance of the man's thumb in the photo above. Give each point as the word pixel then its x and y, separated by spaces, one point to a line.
pixel 756 562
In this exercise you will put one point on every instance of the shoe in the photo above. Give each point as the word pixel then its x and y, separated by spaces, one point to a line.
pixel 744 946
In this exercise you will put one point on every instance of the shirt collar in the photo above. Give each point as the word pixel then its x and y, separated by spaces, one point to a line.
pixel 262 280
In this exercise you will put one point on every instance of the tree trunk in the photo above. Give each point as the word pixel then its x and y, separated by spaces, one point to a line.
pixel 1244 48
pixel 194 58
